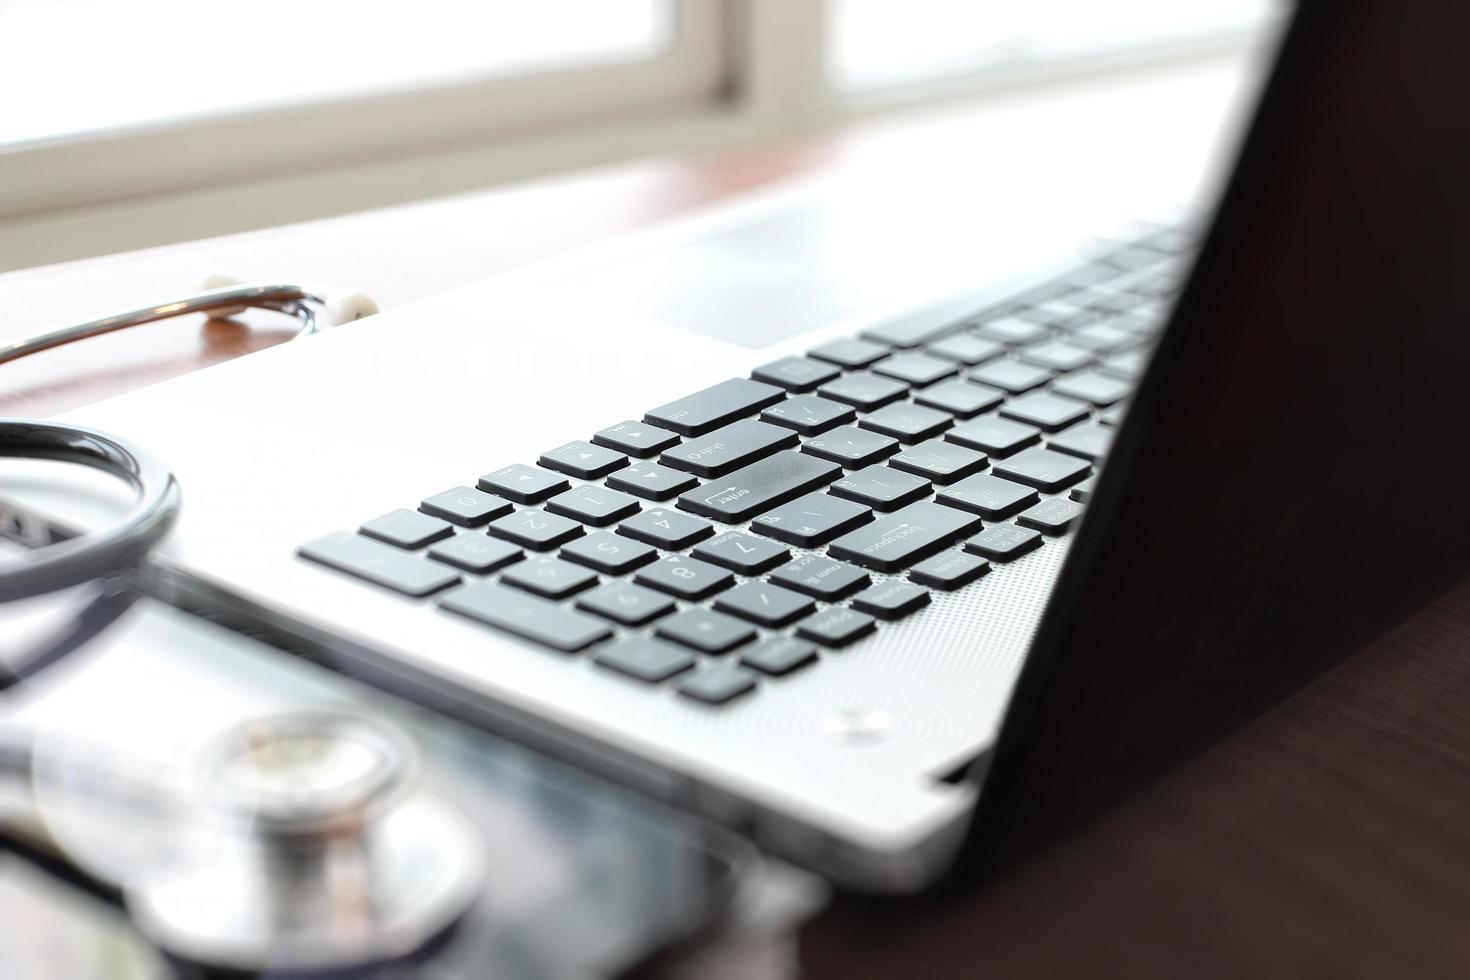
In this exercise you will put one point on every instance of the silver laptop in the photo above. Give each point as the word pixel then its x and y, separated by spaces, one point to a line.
pixel 756 512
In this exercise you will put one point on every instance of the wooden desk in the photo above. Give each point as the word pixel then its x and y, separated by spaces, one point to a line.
pixel 1329 839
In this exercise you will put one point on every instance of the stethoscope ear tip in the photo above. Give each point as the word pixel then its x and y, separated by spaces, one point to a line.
pixel 346 307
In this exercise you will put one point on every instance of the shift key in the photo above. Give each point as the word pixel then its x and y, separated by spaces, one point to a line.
pixel 899 539
pixel 736 497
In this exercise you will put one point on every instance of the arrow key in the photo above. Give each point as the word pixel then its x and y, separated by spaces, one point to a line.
pixel 651 481
pixel 523 484
pixel 582 459
pixel 635 438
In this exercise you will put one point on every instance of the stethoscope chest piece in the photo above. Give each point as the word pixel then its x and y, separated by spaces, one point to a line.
pixel 313 853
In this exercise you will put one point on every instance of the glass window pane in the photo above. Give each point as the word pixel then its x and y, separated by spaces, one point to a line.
pixel 75 66
pixel 885 43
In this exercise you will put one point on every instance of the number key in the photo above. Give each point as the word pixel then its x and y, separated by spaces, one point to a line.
pixel 592 504
pixel 666 529
pixel 743 553
pixel 687 578
pixel 611 554
pixel 626 603
pixel 536 529
pixel 465 506
pixel 549 577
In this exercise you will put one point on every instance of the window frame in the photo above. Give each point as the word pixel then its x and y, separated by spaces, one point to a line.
pixel 691 75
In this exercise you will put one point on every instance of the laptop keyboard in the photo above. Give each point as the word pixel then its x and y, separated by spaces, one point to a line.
pixel 731 536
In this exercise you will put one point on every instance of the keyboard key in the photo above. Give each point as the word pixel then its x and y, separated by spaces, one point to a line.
pixel 1090 442
pixel 592 504
pixel 718 685
pixel 666 529
pixel 379 563
pixel 1003 542
pixel 1091 274
pixel 715 406
pixel 1103 337
pixel 536 529
pixel 1012 330
pixel 1094 387
pixel 1082 492
pixel 523 484
pixel 891 600
pixel 765 604
pixel 907 422
pixel 1011 375
pixel 1128 366
pixel 1052 516
pixel 743 553
pixel 850 354
pixel 651 481
pixel 635 438
pixel 925 325
pixel 729 447
pixel 949 570
pixel 582 459
pixel 779 655
pixel 525 615
pixel 477 553
pixel 795 373
pixel 897 540
pixel 863 390
pixel 820 578
pixel 1113 415
pixel 549 577
pixel 611 554
pixel 988 496
pixel 686 578
pixel 993 435
pixel 407 528
pixel 626 603
pixel 966 348
pixel 1061 311
pixel 811 520
pixel 960 398
pixel 851 446
pixel 809 414
pixel 1058 355
pixel 1042 468
pixel 835 626
pixel 646 659
pixel 736 497
pixel 465 506
pixel 882 487
pixel 942 462
pixel 916 369
pixel 1045 411
pixel 705 630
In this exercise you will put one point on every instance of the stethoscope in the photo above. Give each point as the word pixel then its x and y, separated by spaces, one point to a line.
pixel 302 845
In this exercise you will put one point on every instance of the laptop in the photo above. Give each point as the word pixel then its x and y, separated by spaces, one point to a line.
pixel 901 588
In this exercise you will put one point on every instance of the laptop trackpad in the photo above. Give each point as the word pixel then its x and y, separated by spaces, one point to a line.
pixel 754 284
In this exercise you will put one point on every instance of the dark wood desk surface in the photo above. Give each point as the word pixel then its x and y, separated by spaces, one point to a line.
pixel 1331 838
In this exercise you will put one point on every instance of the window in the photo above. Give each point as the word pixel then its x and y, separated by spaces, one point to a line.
pixel 276 53
pixel 136 122
pixel 142 97
pixel 886 44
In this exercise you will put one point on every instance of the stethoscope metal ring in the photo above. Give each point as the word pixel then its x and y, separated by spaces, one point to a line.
pixel 93 555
